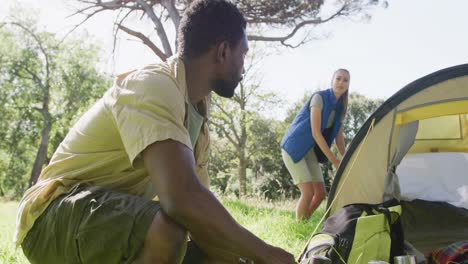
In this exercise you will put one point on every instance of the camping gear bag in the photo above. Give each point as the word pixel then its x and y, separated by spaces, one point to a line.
pixel 359 233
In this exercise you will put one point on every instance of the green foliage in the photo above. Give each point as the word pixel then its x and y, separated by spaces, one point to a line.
pixel 245 137
pixel 359 109
pixel 270 177
pixel 43 81
pixel 294 109
pixel 222 165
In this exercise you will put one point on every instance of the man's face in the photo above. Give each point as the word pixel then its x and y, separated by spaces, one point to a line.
pixel 227 82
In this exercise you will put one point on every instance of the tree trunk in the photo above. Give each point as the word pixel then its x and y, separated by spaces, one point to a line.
pixel 242 145
pixel 41 155
pixel 242 171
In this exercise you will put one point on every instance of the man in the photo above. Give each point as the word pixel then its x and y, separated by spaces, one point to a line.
pixel 89 203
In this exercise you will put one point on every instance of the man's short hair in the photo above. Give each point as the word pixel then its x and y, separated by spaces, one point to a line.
pixel 205 23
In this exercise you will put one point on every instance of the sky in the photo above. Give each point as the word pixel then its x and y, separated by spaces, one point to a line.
pixel 399 44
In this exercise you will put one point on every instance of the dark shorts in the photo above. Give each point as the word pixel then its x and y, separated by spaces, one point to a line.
pixel 90 225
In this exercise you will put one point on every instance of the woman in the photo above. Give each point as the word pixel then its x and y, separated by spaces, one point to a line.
pixel 308 140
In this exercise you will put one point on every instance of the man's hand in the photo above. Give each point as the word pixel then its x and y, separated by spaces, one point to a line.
pixel 275 256
pixel 280 256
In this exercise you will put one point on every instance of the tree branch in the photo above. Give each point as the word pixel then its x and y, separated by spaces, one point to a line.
pixel 44 52
pixel 298 26
pixel 173 14
pixel 34 78
pixel 99 7
pixel 88 16
pixel 230 122
pixel 219 126
pixel 145 41
pixel 159 26
pixel 110 5
pixel 38 109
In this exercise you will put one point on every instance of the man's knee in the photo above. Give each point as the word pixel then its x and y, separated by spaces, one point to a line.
pixel 165 242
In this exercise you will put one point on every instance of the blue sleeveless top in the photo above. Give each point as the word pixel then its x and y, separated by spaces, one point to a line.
pixel 298 140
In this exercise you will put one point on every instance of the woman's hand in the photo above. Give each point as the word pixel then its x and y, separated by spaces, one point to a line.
pixel 335 162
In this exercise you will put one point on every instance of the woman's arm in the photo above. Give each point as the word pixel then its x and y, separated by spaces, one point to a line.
pixel 316 121
pixel 339 141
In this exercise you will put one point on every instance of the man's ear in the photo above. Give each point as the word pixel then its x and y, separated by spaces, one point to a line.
pixel 222 52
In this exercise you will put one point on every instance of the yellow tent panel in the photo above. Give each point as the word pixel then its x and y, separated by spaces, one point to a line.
pixel 430 111
pixel 442 127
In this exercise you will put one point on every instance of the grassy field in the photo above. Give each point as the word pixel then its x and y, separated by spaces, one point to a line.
pixel 273 222
pixel 8 253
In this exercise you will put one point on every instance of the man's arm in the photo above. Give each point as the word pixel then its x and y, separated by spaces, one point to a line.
pixel 171 167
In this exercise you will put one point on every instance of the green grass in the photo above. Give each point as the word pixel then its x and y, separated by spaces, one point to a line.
pixel 8 253
pixel 273 222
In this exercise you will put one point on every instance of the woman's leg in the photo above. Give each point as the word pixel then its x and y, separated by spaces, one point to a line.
pixel 303 179
pixel 317 198
pixel 317 181
pixel 303 211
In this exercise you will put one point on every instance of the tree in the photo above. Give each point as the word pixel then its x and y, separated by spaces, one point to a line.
pixel 44 83
pixel 271 179
pixel 223 164
pixel 266 174
pixel 359 109
pixel 290 21
pixel 231 120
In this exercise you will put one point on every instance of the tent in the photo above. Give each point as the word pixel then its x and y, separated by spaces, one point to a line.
pixel 414 148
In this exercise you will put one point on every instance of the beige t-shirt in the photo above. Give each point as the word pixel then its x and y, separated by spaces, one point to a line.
pixel 317 101
pixel 103 148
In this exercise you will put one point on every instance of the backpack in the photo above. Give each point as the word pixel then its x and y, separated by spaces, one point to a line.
pixel 359 233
